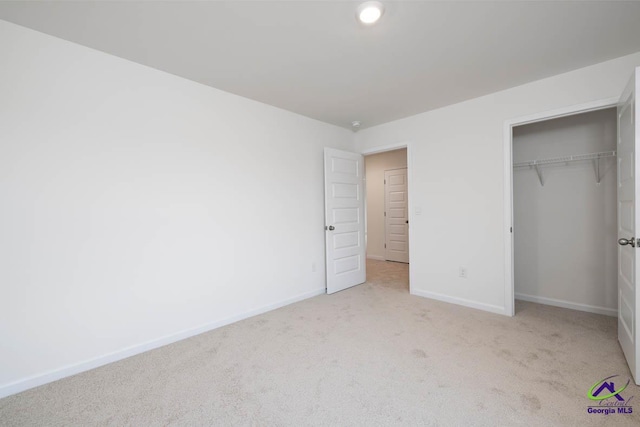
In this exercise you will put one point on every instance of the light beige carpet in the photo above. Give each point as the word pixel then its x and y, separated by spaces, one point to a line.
pixel 371 355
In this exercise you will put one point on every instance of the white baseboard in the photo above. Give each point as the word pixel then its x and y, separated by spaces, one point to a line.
pixel 76 368
pixel 568 304
pixel 376 257
pixel 461 301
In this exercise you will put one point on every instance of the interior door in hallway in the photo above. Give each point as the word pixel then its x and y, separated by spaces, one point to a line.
pixel 628 222
pixel 344 219
pixel 396 211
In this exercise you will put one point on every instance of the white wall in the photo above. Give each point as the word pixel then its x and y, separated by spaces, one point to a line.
pixel 375 165
pixel 457 179
pixel 565 232
pixel 139 207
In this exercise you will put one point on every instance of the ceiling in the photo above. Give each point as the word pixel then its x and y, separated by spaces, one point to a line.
pixel 313 58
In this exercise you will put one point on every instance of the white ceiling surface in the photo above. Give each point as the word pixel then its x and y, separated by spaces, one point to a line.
pixel 313 58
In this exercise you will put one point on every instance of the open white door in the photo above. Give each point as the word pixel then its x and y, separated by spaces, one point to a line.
pixel 344 219
pixel 396 216
pixel 628 225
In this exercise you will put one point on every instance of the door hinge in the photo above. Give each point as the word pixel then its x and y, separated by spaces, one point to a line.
pixel 385 181
pixel 385 246
pixel 385 214
pixel 510 229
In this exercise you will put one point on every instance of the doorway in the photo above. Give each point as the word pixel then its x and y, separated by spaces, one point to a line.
pixel 387 215
pixel 509 125
pixel 565 212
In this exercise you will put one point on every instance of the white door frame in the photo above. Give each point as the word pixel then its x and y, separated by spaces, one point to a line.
pixel 509 287
pixel 393 147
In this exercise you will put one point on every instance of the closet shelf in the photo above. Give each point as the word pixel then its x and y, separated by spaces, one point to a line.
pixel 567 159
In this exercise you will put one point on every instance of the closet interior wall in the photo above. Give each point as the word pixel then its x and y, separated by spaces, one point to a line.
pixel 565 231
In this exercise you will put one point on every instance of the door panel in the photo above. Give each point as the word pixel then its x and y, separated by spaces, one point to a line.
pixel 344 217
pixel 628 222
pixel 396 224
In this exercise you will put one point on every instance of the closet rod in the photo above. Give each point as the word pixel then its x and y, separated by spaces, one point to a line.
pixel 567 159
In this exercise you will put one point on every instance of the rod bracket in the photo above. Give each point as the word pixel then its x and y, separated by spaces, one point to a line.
pixel 539 174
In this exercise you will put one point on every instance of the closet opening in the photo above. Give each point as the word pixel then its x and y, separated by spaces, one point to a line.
pixel 387 218
pixel 564 186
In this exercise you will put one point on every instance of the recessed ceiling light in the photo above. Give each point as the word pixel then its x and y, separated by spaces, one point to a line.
pixel 370 12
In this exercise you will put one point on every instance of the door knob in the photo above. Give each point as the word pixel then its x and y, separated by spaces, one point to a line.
pixel 625 242
pixel 331 228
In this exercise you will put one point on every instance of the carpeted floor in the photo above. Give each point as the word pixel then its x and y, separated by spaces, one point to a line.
pixel 371 355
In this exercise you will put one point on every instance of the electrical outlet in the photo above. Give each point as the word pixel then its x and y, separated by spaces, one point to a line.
pixel 462 272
